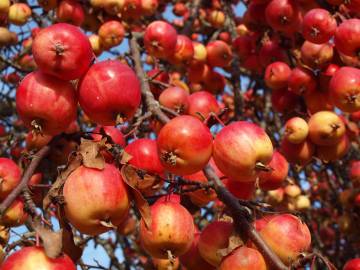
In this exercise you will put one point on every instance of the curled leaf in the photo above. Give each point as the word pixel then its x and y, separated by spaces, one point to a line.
pixel 125 158
pixel 55 192
pixel 90 152
pixel 132 179
pixel 69 246
pixel 52 241
pixel 234 242
pixel 108 224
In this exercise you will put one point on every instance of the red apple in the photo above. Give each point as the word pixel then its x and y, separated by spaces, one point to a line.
pixel 347 37
pixel 34 258
pixel 353 264
pixel 300 154
pixel 279 170
pixel 277 75
pixel 219 53
pixel 111 34
pixel 160 39
pixel 15 215
pixel 63 51
pixel 70 11
pixel 10 175
pixel 192 259
pixel 215 236
pixel 287 236
pixel 144 155
pixel 175 98
pixel 171 230
pixel 201 104
pixel 345 89
pixel 184 145
pixel 96 200
pixel 112 99
pixel 318 26
pixel 296 130
pixel 45 103
pixel 239 147
pixel 243 258
pixel 326 128
pixel 111 131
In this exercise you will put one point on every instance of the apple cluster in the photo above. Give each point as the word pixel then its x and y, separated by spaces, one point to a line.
pixel 266 101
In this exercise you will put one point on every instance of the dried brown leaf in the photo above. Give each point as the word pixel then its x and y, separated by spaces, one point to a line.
pixel 90 151
pixel 52 241
pixel 125 158
pixel 69 246
pixel 234 242
pixel 132 179
pixel 75 161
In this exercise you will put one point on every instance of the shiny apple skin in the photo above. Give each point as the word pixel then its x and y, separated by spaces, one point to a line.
pixel 202 103
pixel 10 175
pixel 192 259
pixel 160 39
pixel 296 130
pixel 274 179
pixel 34 258
pixel 93 195
pixel 353 264
pixel 347 37
pixel 144 155
pixel 344 89
pixel 189 143
pixel 287 236
pixel 70 11
pixel 243 258
pixel 75 53
pixel 175 98
pixel 326 128
pixel 15 215
pixel 215 236
pixel 318 26
pixel 48 100
pixel 172 228
pixel 107 90
pixel 300 153
pixel 277 75
pixel 237 149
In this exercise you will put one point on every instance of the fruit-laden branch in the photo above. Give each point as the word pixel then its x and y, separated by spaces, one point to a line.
pixel 8 63
pixel 240 214
pixel 152 105
pixel 35 161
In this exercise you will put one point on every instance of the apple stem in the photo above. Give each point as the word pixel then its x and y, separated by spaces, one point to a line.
pixel 36 126
pixel 169 157
pixel 335 127
pixel 108 224
pixel 262 167
pixel 171 257
pixel 59 49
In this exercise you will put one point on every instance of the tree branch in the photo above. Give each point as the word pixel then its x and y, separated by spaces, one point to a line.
pixel 194 12
pixel 25 178
pixel 235 64
pixel 241 214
